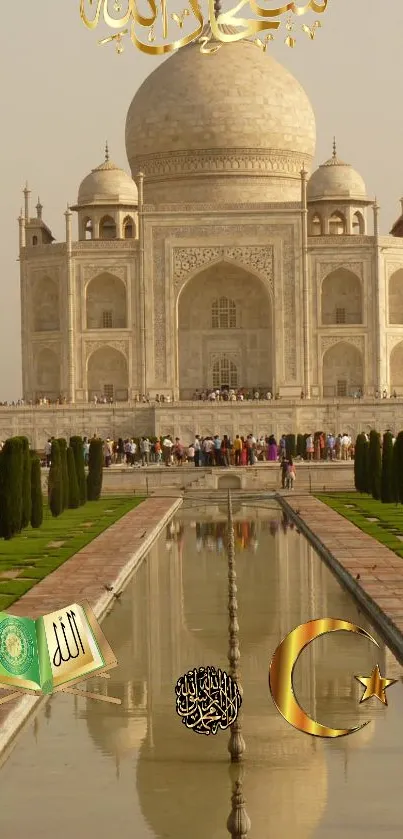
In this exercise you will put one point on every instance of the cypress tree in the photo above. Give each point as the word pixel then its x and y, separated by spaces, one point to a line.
pixel 398 467
pixel 366 468
pixel 65 475
pixel 74 495
pixel 375 464
pixel 11 470
pixel 36 491
pixel 95 469
pixel 359 464
pixel 76 444
pixel 387 483
pixel 55 487
pixel 26 483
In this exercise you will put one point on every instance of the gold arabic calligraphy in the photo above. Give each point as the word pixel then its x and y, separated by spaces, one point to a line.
pixel 245 27
pixel 207 699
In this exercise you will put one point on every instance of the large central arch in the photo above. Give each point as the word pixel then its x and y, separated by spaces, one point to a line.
pixel 225 331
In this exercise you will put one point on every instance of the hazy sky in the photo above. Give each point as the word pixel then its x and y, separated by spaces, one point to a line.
pixel 62 96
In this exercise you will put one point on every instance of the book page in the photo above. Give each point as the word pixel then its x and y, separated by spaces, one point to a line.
pixel 73 651
pixel 19 662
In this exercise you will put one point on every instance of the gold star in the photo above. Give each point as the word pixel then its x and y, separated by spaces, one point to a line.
pixel 375 685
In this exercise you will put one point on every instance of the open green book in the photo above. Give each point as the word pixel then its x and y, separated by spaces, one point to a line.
pixel 57 650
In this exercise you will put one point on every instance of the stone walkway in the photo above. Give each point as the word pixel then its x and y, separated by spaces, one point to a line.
pixel 106 561
pixel 376 569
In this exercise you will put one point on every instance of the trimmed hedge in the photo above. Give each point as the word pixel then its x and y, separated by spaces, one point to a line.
pixel 55 485
pixel 74 494
pixel 77 445
pixel 36 491
pixel 95 469
pixel 11 468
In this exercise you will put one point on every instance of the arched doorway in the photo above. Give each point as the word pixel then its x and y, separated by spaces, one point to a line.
pixel 341 298
pixel 225 331
pixel 396 297
pixel 396 369
pixel 106 303
pixel 107 375
pixel 47 375
pixel 342 371
pixel 45 302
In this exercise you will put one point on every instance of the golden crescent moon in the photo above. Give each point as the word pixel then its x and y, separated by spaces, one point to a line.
pixel 282 670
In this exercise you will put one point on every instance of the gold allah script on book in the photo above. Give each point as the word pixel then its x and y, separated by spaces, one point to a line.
pixel 54 652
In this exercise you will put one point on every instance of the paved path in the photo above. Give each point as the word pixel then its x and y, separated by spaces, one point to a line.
pixel 380 570
pixel 108 560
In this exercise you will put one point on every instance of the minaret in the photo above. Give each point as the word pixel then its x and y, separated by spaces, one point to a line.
pixel 305 283
pixel 70 309
pixel 39 209
pixel 27 193
pixel 21 223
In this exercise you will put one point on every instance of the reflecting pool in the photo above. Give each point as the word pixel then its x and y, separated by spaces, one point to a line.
pixel 86 768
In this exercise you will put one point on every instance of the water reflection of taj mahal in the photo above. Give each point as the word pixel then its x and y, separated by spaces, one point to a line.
pixel 177 619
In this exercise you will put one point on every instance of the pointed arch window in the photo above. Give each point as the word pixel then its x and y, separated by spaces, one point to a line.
pixel 358 224
pixel 107 228
pixel 337 224
pixel 316 225
pixel 128 228
pixel 88 229
pixel 225 373
pixel 223 314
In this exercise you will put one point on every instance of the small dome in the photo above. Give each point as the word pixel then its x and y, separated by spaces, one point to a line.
pixel 335 179
pixel 107 184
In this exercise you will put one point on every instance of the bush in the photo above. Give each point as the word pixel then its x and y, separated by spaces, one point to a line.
pixel 74 495
pixel 360 464
pixel 55 486
pixel 398 467
pixel 375 464
pixel 11 470
pixel 26 483
pixel 388 494
pixel 65 475
pixel 95 469
pixel 76 444
pixel 36 491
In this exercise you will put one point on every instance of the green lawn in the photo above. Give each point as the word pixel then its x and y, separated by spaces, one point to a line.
pixel 359 509
pixel 36 553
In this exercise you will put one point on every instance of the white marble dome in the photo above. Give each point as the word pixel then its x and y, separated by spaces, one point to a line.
pixel 235 122
pixel 335 179
pixel 107 184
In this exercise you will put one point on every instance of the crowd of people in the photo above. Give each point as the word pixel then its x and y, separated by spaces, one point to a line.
pixel 204 395
pixel 222 451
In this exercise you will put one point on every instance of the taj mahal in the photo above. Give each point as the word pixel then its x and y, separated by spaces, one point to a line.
pixel 221 261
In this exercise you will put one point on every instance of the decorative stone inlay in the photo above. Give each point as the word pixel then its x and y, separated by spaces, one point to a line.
pixel 236 231
pixel 47 345
pixel 392 267
pixel 242 161
pixel 92 346
pixel 329 341
pixel 91 271
pixel 107 245
pixel 393 341
pixel 326 268
pixel 187 260
pixel 215 208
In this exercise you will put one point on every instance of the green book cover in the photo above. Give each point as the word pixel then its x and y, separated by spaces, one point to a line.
pixel 58 649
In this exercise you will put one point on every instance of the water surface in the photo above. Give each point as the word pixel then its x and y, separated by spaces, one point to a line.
pixel 87 768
